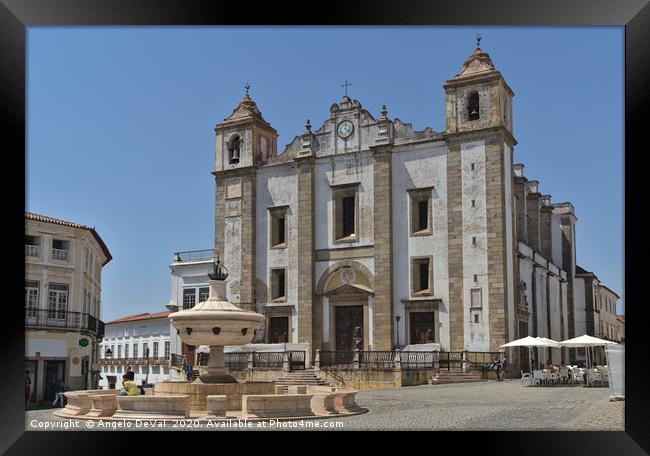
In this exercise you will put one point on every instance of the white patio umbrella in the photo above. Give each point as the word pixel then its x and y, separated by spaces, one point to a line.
pixel 550 343
pixel 586 342
pixel 529 341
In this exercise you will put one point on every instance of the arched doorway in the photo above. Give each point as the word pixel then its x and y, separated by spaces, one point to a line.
pixel 347 294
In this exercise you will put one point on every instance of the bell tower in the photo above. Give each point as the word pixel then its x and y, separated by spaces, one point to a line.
pixel 244 138
pixel 478 97
pixel 244 141
pixel 480 206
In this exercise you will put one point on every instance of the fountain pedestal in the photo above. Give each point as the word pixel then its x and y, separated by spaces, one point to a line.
pixel 216 368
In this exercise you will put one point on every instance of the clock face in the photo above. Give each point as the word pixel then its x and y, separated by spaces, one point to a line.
pixel 345 129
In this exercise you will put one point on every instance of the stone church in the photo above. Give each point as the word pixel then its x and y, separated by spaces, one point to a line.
pixel 365 233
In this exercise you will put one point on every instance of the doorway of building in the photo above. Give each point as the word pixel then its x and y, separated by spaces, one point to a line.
pixel 348 321
pixel 188 351
pixel 422 327
pixel 54 372
pixel 31 372
pixel 278 330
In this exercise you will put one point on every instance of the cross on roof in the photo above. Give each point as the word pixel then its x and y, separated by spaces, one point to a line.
pixel 346 85
pixel 247 87
pixel 478 40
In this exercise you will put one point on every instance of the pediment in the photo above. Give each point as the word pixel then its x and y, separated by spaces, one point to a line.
pixel 350 289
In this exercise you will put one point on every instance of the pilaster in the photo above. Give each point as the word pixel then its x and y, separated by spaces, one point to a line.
pixel 383 310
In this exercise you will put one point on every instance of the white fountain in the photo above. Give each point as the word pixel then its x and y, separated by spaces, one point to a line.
pixel 216 322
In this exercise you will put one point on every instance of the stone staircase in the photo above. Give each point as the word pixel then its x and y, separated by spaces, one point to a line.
pixel 301 377
pixel 454 376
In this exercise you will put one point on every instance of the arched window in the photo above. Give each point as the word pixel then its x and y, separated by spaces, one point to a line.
pixel 234 150
pixel 472 106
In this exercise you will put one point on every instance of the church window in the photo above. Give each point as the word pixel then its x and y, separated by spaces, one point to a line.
pixel 473 106
pixel 234 150
pixel 476 298
pixel 474 241
pixel 473 203
pixel 476 318
pixel 278 284
pixel 346 201
pixel 421 217
pixel 421 276
pixel 278 220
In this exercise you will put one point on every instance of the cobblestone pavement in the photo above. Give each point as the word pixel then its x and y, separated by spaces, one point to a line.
pixel 471 406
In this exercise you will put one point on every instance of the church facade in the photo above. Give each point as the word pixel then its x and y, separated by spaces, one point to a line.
pixel 364 233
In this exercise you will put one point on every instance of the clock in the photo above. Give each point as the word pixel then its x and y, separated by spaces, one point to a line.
pixel 345 129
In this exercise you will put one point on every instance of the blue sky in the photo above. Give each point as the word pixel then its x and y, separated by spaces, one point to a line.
pixel 120 123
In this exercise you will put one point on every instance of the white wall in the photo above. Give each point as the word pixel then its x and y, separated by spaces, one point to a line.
pixel 420 166
pixel 475 259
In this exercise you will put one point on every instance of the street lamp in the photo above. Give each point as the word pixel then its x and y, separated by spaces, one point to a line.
pixel 397 318
pixel 146 355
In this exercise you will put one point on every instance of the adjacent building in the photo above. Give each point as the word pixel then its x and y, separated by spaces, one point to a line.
pixel 140 342
pixel 189 286
pixel 63 267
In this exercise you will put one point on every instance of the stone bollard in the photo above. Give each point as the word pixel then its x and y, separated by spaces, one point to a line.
pixel 216 405
pixel 356 359
pixel 285 362
pixel 317 362
pixel 466 363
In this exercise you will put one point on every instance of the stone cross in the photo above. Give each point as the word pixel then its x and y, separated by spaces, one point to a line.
pixel 346 85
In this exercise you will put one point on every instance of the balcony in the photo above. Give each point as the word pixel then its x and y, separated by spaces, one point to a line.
pixel 194 255
pixel 59 319
pixel 32 250
pixel 60 254
pixel 159 361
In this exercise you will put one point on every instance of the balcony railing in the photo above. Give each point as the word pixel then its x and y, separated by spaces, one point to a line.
pixel 59 254
pixel 60 319
pixel 32 250
pixel 134 361
pixel 194 255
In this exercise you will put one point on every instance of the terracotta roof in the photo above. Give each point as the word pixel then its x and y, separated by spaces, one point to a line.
pixel 141 316
pixel 621 317
pixel 46 219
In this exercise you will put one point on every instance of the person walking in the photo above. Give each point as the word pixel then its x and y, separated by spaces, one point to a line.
pixel 496 366
pixel 506 366
pixel 58 392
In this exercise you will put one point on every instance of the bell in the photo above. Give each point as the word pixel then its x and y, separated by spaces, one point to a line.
pixel 235 154
pixel 473 111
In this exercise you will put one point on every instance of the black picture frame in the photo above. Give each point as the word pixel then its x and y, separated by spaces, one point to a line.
pixel 17 15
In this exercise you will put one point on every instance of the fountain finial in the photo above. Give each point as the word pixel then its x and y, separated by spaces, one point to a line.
pixel 219 271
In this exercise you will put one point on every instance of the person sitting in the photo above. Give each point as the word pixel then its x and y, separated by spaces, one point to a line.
pixel 564 372
pixel 130 387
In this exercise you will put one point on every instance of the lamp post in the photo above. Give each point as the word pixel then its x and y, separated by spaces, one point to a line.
pixel 397 318
pixel 146 355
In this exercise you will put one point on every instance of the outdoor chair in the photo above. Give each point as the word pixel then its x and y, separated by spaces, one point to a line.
pixel 594 376
pixel 577 374
pixel 538 377
pixel 553 377
pixel 564 374
pixel 524 375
